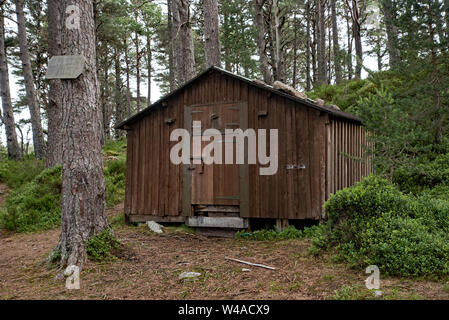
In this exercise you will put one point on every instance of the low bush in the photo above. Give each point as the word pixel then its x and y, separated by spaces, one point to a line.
pixel 374 223
pixel 114 173
pixel 34 205
pixel 17 173
pixel 101 246
pixel 34 199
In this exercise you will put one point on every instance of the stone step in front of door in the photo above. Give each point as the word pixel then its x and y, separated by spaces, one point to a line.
pixel 217 222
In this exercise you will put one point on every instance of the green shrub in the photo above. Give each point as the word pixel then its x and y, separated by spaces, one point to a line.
pixel 101 246
pixel 425 175
pixel 34 205
pixel 115 181
pixel 374 223
pixel 17 173
pixel 34 199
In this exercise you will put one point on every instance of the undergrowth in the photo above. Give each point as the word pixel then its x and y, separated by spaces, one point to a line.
pixel 373 223
pixel 34 198
pixel 101 246
pixel 272 234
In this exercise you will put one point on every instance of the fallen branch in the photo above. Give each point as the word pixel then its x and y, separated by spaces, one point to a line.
pixel 250 263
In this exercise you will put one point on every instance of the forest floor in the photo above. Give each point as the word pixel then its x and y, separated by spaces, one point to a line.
pixel 149 265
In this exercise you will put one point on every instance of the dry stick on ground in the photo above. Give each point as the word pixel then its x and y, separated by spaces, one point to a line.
pixel 250 263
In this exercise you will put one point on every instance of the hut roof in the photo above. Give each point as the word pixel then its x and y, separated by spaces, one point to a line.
pixel 304 102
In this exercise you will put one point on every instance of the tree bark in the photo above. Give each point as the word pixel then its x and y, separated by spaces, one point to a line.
pixel 308 44
pixel 279 56
pixel 186 41
pixel 118 92
pixel 260 24
pixel 128 86
pixel 321 48
pixel 8 113
pixel 54 111
pixel 83 185
pixel 356 33
pixel 211 33
pixel 149 69
pixel 172 45
pixel 349 52
pixel 337 63
pixel 138 58
pixel 38 136
pixel 392 32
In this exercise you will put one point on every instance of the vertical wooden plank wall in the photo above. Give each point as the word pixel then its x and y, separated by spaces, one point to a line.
pixel 346 162
pixel 306 137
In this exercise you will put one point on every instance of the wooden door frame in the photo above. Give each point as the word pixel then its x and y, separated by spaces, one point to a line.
pixel 243 168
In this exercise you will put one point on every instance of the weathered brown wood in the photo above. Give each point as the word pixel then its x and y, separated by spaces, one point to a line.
pixel 156 187
pixel 149 217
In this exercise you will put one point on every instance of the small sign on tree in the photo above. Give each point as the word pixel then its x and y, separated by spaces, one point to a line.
pixel 65 67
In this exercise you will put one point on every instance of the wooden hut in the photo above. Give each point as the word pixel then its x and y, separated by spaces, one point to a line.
pixel 320 152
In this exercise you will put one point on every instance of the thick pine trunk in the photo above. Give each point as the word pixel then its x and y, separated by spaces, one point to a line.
pixel 260 24
pixel 36 125
pixel 8 114
pixel 54 111
pixel 187 56
pixel 211 33
pixel 83 186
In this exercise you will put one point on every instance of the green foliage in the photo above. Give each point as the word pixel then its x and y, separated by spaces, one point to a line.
pixel 35 201
pixel 427 174
pixel 288 233
pixel 34 205
pixel 115 181
pixel 114 153
pixel 16 173
pixel 345 95
pixel 101 246
pixel 374 223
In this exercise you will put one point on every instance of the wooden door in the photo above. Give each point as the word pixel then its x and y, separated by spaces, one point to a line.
pixel 214 184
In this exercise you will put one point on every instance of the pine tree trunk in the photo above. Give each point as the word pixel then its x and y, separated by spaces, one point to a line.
pixel 5 93
pixel 356 33
pixel 38 136
pixel 149 69
pixel 118 92
pixel 138 72
pixel 392 32
pixel 260 24
pixel 187 55
pixel 172 45
pixel 211 33
pixel 349 53
pixel 308 44
pixel 83 185
pixel 337 63
pixel 279 57
pixel 128 87
pixel 54 111
pixel 321 48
